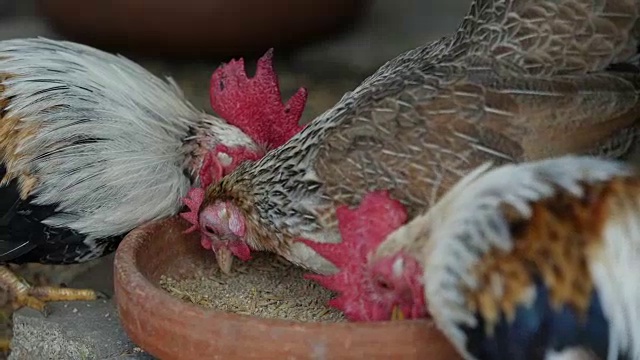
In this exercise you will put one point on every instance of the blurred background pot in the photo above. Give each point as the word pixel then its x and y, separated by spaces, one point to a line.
pixel 189 28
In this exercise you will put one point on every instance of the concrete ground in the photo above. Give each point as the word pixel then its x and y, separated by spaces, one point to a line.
pixel 327 69
pixel 74 330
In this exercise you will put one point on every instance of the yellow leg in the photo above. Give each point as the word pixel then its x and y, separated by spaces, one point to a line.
pixel 36 297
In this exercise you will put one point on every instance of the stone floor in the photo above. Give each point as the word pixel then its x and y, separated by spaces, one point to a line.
pixel 328 69
pixel 78 330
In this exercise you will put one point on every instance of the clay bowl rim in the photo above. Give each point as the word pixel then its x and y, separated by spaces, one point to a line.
pixel 125 261
pixel 168 327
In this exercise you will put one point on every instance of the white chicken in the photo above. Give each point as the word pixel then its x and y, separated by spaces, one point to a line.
pixel 92 145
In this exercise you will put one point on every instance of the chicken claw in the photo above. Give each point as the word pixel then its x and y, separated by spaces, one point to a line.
pixel 36 297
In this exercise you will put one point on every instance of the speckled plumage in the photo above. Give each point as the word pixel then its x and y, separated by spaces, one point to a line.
pixel 510 85
pixel 537 259
pixel 91 146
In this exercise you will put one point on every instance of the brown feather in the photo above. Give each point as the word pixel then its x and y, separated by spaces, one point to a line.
pixel 520 80
pixel 556 243
pixel 12 132
pixel 419 146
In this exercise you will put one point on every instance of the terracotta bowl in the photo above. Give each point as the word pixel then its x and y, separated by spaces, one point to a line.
pixel 169 328
pixel 196 28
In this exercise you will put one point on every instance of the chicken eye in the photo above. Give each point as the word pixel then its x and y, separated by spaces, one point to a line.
pixel 383 284
pixel 209 229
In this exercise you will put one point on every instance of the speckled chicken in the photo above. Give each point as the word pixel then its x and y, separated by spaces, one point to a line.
pixel 530 261
pixel 92 145
pixel 519 80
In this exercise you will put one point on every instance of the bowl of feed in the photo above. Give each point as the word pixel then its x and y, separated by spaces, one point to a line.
pixel 176 304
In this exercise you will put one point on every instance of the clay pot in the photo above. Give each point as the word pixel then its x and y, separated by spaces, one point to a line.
pixel 169 328
pixel 196 27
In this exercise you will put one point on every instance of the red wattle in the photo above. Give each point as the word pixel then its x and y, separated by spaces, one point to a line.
pixel 241 250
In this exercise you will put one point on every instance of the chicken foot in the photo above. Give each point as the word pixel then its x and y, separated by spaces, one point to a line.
pixel 36 297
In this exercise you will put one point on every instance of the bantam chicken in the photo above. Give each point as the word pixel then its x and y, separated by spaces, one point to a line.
pixel 380 259
pixel 368 288
pixel 527 261
pixel 520 80
pixel 92 146
pixel 538 261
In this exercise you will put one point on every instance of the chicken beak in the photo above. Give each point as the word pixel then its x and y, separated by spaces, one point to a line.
pixel 396 313
pixel 225 259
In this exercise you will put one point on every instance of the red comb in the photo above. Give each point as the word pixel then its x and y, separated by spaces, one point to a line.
pixel 212 170
pixel 362 230
pixel 255 105
pixel 193 200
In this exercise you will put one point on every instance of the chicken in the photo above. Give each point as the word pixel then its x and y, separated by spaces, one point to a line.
pixel 520 80
pixel 366 286
pixel 526 261
pixel 244 100
pixel 379 259
pixel 538 260
pixel 92 146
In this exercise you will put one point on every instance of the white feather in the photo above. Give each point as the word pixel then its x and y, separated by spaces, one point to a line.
pixel 134 172
pixel 571 354
pixel 468 221
pixel 615 272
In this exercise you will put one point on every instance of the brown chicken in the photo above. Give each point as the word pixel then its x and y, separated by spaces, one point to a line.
pixel 519 80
